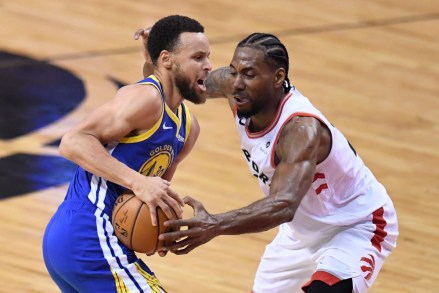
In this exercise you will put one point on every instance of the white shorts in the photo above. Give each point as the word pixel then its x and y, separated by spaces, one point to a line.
pixel 318 251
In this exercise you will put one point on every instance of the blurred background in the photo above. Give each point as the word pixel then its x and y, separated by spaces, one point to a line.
pixel 371 67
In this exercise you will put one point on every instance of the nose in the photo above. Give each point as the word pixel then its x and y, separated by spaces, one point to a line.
pixel 207 65
pixel 238 83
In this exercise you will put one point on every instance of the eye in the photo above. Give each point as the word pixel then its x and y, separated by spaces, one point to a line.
pixel 249 74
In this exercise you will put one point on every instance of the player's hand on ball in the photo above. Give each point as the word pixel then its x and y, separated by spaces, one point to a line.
pixel 156 192
pixel 200 229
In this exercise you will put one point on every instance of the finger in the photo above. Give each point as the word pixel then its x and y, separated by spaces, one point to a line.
pixel 195 204
pixel 171 208
pixel 162 253
pixel 138 33
pixel 177 234
pixel 175 202
pixel 153 214
pixel 177 224
pixel 175 196
pixel 190 200
pixel 166 182
pixel 145 33
pixel 170 237
pixel 184 250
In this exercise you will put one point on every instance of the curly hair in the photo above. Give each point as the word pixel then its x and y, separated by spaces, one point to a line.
pixel 275 53
pixel 165 34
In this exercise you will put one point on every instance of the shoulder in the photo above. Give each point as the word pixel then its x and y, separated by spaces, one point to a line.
pixel 143 92
pixel 303 137
pixel 140 97
pixel 307 127
pixel 140 104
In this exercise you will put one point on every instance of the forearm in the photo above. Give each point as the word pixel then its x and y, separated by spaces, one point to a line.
pixel 87 151
pixel 286 193
pixel 259 216
pixel 218 83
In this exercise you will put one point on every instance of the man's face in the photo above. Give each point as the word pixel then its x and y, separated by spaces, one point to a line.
pixel 192 66
pixel 253 81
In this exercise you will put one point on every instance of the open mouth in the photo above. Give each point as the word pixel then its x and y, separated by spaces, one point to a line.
pixel 240 100
pixel 202 84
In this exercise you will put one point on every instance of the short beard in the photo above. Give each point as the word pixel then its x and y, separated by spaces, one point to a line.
pixel 243 114
pixel 255 108
pixel 183 86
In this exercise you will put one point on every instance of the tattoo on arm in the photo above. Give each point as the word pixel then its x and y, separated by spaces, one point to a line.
pixel 218 83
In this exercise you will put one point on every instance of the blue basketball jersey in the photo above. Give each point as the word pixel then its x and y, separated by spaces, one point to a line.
pixel 80 250
pixel 150 153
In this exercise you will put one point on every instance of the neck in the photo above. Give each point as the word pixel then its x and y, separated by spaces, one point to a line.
pixel 263 118
pixel 172 95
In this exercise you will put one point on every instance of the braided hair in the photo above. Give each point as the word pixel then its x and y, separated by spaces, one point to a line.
pixel 275 52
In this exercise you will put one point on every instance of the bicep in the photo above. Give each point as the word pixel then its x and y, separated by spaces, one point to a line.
pixel 297 151
pixel 115 119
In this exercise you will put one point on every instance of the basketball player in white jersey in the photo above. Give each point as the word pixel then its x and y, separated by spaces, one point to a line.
pixel 337 222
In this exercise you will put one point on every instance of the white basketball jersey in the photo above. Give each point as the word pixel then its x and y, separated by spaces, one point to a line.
pixel 343 189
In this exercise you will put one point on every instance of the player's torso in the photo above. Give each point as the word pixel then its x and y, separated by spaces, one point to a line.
pixel 150 153
pixel 340 183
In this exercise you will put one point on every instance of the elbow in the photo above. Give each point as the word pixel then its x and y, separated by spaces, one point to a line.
pixel 287 209
pixel 65 148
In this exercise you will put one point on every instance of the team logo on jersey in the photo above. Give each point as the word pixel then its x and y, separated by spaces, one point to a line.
pixel 160 160
pixel 368 266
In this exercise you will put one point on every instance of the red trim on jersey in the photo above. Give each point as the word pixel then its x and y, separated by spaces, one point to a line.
pixel 272 123
pixel 325 277
pixel 321 188
pixel 303 114
pixel 380 223
pixel 318 176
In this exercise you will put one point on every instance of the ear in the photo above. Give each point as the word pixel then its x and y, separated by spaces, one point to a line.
pixel 166 59
pixel 279 77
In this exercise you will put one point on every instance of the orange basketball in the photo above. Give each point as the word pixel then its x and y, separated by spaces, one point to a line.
pixel 132 224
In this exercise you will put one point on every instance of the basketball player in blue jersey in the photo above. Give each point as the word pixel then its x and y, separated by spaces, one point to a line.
pixel 135 141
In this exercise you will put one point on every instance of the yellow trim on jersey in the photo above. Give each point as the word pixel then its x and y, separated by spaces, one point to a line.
pixel 120 285
pixel 174 117
pixel 152 280
pixel 146 134
pixel 156 80
pixel 188 122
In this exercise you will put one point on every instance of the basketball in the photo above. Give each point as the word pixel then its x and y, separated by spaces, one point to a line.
pixel 132 224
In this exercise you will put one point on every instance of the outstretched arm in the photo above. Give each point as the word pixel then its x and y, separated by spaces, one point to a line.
pixel 297 150
pixel 219 85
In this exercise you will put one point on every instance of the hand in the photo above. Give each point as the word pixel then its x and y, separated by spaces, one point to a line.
pixel 201 229
pixel 144 33
pixel 156 192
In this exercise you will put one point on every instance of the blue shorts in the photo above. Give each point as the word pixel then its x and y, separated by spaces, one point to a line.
pixel 82 254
